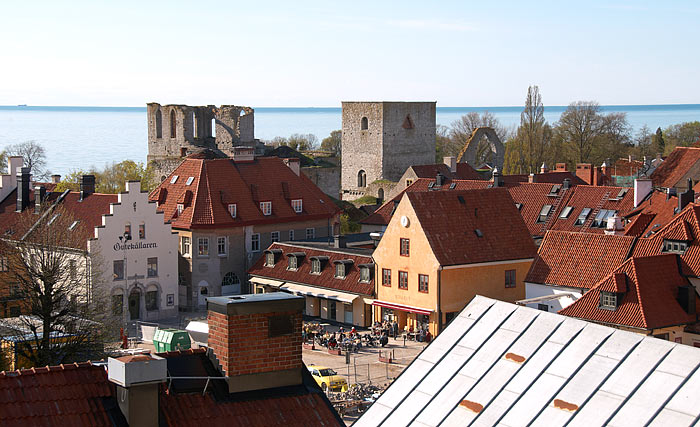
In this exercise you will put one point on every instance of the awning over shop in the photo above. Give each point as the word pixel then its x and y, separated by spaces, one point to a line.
pixel 319 293
pixel 402 307
pixel 266 282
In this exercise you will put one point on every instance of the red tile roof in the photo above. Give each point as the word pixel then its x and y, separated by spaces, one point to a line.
pixel 545 178
pixel 67 395
pixel 450 220
pixel 578 260
pixel 675 167
pixel 650 287
pixel 464 171
pixel 218 182
pixel 88 211
pixel 654 212
pixel 593 197
pixel 326 279
pixel 625 167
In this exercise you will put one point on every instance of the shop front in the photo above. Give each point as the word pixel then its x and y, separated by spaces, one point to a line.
pixel 409 318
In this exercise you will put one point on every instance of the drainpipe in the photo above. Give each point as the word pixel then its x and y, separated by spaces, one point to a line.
pixel 439 310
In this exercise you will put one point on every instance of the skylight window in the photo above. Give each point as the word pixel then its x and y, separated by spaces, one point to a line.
pixel 622 193
pixel 453 185
pixel 173 180
pixel 544 213
pixel 189 180
pixel 555 190
pixel 73 225
pixel 519 206
pixel 566 212
pixel 599 218
pixel 478 233
pixel 53 218
pixel 583 217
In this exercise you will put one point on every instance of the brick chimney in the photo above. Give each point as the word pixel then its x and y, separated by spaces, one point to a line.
pixel 87 186
pixel 561 167
pixel 585 172
pixel 137 379
pixel 256 339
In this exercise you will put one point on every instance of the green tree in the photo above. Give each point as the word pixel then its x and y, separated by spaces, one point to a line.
pixel 527 150
pixel 332 143
pixel 643 141
pixel 443 144
pixel 681 135
pixel 112 178
pixel 659 144
pixel 302 142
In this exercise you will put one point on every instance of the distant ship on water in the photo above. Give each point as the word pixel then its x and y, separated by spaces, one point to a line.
pixel 21 105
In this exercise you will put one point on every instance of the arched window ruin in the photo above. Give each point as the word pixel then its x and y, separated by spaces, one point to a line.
pixel 195 125
pixel 361 179
pixel 159 124
pixel 212 131
pixel 173 129
pixel 380 194
pixel 364 124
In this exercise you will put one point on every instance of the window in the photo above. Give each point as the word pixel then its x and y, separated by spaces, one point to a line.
pixel 315 266
pixel 292 263
pixel 544 212
pixel 270 259
pixel 142 231
pixel 583 217
pixel 72 269
pixel 117 304
pixel 186 242
pixel 189 180
pixel 674 246
pixel 291 234
pixel 423 283
pixel 598 221
pixel 180 208
pixel 297 205
pixel 203 246
pixel 159 124
pixel 275 236
pixel 403 280
pixel 173 129
pixel 152 270
pixel 519 206
pixel 53 219
pixel 566 212
pixel 230 279
pixel 266 208
pixel 221 245
pixel 361 179
pixel 608 300
pixel 152 300
pixel 510 278
pixel 364 123
pixel 310 233
pixel 340 270
pixel 386 277
pixel 255 242
pixel 365 274
pixel 127 229
pixel 73 225
pixel 331 310
pixel 543 307
pixel 4 264
pixel 118 269
pixel 409 182
pixel 232 209
pixel 173 180
pixel 404 247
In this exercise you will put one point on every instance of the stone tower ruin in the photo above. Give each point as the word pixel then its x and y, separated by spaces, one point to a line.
pixel 175 131
pixel 380 140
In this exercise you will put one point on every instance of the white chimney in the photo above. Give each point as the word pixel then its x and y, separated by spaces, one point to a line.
pixel 137 380
pixel 642 188
pixel 614 226
pixel 451 162
pixel 8 181
pixel 293 164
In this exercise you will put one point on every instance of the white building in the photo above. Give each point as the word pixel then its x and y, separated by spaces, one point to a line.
pixel 139 256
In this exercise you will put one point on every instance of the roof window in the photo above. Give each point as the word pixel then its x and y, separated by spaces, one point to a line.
pixel 674 246
pixel 173 180
pixel 610 300
pixel 189 180
pixel 555 190
pixel 566 212
pixel 519 206
pixel 544 213
pixel 73 225
pixel 583 216
pixel 478 233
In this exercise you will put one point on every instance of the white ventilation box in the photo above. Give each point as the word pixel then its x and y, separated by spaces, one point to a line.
pixel 137 370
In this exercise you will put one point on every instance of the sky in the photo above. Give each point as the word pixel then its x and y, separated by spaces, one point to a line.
pixel 317 54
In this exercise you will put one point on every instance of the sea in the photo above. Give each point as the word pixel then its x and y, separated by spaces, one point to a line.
pixel 78 138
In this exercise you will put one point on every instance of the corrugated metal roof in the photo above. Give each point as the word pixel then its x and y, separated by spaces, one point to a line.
pixel 498 363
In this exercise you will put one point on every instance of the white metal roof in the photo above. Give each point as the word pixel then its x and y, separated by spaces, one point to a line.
pixel 502 364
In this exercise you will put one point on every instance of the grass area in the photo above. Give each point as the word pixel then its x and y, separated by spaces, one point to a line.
pixel 365 200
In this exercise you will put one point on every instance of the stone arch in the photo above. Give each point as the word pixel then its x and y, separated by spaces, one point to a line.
pixel 380 195
pixel 153 287
pixel 203 291
pixel 361 178
pixel 364 124
pixel 468 153
pixel 159 124
pixel 173 124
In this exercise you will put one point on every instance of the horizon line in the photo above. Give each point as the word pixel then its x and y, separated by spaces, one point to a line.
pixel 338 107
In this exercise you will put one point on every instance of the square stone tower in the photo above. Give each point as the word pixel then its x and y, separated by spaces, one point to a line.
pixel 380 140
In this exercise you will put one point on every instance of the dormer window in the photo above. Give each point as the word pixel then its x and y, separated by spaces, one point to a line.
pixel 271 256
pixel 674 246
pixel 232 209
pixel 297 205
pixel 294 259
pixel 317 263
pixel 366 272
pixel 609 300
pixel 266 208
pixel 180 208
pixel 341 268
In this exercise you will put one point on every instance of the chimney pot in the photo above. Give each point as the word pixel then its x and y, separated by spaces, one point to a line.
pixel 55 179
pixel 87 186
pixel 531 178
pixel 451 163
pixel 339 241
pixel 39 196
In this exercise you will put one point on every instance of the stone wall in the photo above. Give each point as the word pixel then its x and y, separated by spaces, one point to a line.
pixel 327 179
pixel 361 148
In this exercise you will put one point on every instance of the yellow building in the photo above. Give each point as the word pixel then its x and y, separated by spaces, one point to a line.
pixel 443 247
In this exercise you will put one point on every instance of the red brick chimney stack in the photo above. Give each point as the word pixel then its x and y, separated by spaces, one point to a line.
pixel 256 339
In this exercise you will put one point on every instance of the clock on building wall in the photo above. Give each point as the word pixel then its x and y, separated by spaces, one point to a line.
pixel 404 221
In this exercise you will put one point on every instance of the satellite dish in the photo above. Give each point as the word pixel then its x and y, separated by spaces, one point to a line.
pixel 404 221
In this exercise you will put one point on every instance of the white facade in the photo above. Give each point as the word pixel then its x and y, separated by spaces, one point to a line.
pixel 141 272
pixel 535 290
